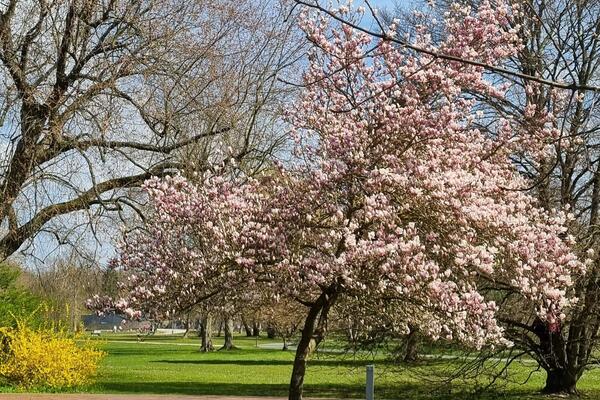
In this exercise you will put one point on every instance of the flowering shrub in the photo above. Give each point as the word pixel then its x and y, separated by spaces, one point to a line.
pixel 34 358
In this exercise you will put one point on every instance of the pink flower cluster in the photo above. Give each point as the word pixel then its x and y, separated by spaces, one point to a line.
pixel 395 194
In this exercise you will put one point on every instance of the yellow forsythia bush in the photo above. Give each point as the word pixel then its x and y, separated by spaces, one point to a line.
pixel 45 358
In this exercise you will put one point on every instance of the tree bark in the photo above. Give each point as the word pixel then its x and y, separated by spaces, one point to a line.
pixel 187 327
pixel 412 346
pixel 558 358
pixel 561 381
pixel 313 333
pixel 206 344
pixel 247 328
pixel 255 328
pixel 228 333
pixel 285 344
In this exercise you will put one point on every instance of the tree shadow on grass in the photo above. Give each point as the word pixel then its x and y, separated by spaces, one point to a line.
pixel 196 388
pixel 236 389
pixel 337 391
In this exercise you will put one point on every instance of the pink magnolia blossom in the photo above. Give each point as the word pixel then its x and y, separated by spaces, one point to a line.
pixel 394 194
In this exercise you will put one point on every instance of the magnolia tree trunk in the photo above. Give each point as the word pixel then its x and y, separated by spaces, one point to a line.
pixel 285 343
pixel 562 380
pixel 187 327
pixel 206 344
pixel 255 328
pixel 247 328
pixel 228 333
pixel 412 346
pixel 313 332
pixel 559 358
pixel 351 334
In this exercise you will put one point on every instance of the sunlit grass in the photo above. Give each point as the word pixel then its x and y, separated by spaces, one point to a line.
pixel 172 365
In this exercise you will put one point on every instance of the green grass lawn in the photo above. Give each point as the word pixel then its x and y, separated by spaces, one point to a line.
pixel 173 365
pixel 148 367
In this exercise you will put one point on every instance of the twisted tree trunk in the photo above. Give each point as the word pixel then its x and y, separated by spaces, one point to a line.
pixel 562 380
pixel 561 357
pixel 313 333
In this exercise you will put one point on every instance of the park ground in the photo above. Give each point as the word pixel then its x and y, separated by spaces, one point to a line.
pixel 172 365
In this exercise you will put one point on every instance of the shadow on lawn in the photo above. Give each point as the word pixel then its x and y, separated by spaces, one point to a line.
pixel 338 391
pixel 236 389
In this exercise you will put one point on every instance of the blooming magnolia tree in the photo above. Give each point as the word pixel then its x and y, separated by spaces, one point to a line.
pixel 394 194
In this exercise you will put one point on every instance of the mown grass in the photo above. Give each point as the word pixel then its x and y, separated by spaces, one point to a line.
pixel 172 365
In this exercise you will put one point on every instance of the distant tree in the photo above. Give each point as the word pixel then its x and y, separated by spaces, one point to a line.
pixel 17 303
pixel 371 324
pixel 284 319
pixel 205 331
pixel 65 284
pixel 247 328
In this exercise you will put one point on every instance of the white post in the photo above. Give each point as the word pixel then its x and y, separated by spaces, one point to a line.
pixel 370 382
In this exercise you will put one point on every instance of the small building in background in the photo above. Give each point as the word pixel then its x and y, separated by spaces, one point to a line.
pixel 93 322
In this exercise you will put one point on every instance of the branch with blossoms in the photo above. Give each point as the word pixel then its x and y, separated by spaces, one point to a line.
pixel 389 35
pixel 398 197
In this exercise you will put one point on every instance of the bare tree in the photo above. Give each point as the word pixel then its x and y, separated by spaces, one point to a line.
pixel 64 285
pixel 98 96
pixel 283 319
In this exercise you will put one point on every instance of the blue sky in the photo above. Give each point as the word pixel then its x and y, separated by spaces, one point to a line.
pixel 388 3
pixel 45 245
